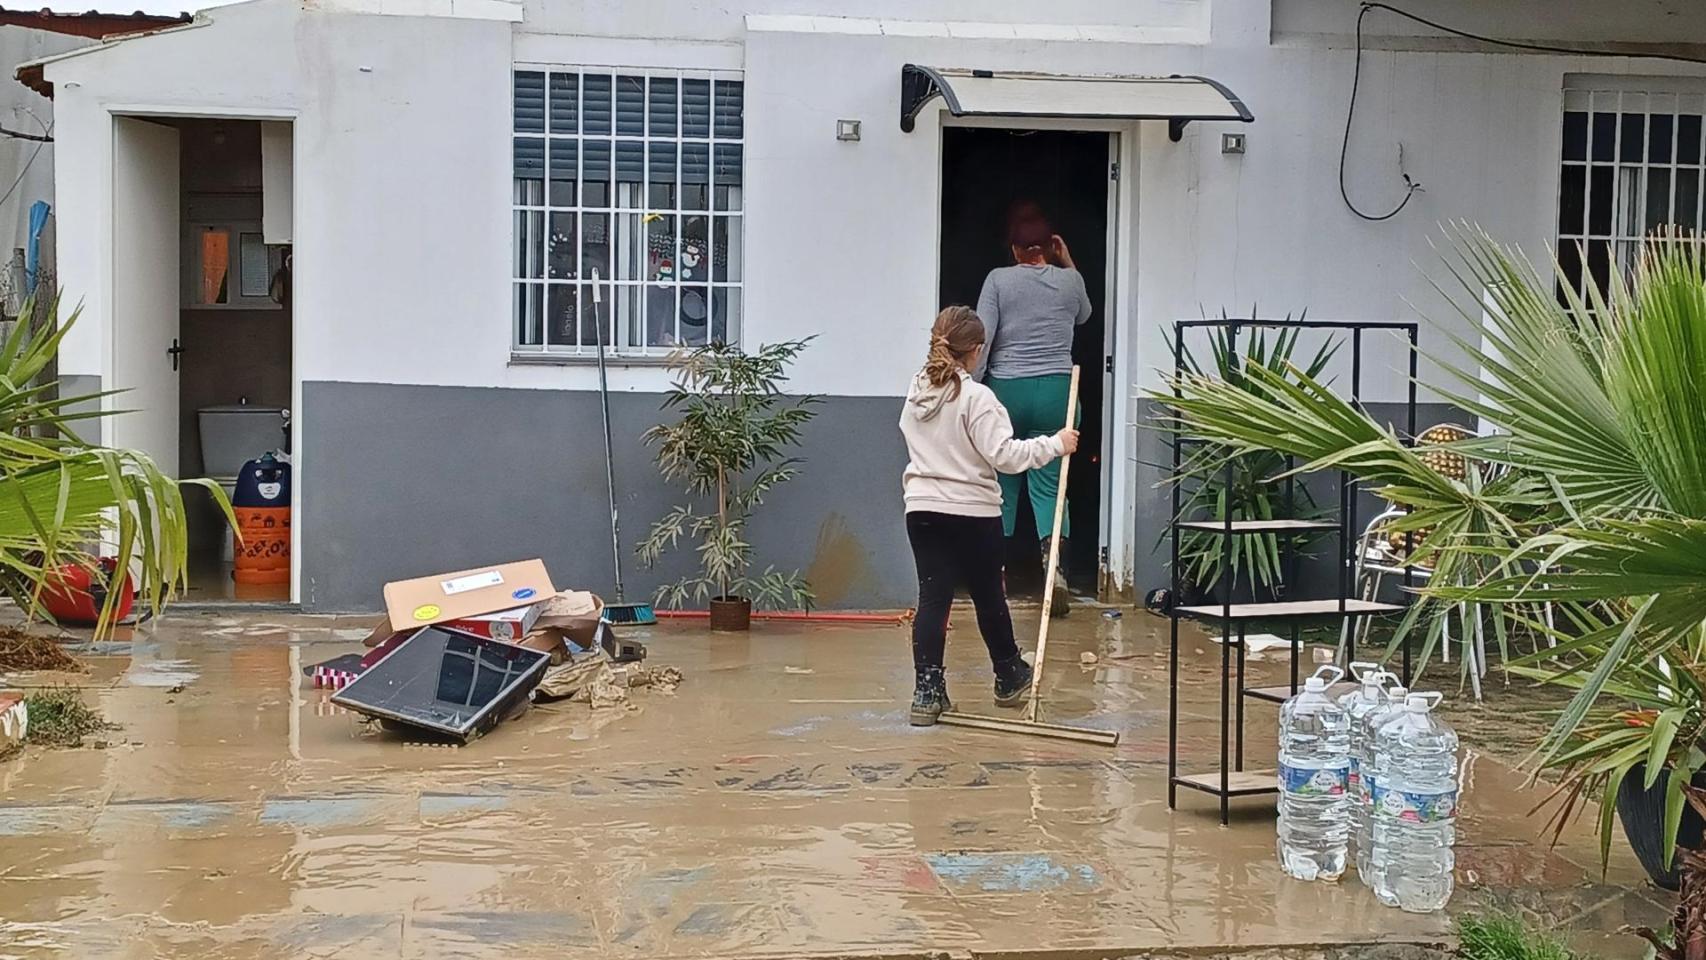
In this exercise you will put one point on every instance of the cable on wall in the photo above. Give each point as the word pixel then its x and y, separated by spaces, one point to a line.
pixel 1411 185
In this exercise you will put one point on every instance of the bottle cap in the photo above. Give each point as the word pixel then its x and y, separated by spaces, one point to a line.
pixel 1417 703
pixel 1398 693
pixel 1315 685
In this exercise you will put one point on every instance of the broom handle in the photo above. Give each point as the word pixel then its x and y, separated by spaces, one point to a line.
pixel 1053 554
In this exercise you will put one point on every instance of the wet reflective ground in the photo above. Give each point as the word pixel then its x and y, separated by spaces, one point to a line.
pixel 776 805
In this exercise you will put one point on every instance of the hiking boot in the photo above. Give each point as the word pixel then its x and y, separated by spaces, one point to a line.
pixel 1060 604
pixel 930 698
pixel 1012 681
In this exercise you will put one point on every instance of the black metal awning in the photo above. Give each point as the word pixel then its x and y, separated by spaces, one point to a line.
pixel 989 93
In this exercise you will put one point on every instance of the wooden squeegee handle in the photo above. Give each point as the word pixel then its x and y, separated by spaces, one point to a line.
pixel 1053 555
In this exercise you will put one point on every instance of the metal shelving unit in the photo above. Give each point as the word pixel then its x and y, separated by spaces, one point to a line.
pixel 1230 779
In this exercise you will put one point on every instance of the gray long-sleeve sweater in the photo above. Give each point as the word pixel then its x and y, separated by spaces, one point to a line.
pixel 1029 313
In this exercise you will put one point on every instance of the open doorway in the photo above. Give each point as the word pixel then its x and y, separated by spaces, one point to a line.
pixel 202 328
pixel 985 173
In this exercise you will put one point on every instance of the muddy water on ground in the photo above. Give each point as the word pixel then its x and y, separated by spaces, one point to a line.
pixel 777 804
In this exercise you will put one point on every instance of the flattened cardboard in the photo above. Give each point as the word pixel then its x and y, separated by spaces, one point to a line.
pixel 425 601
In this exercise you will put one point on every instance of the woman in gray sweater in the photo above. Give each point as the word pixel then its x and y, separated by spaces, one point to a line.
pixel 1030 311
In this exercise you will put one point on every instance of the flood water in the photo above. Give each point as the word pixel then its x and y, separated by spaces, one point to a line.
pixel 776 804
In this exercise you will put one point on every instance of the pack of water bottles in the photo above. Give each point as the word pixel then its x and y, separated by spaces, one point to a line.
pixel 1372 775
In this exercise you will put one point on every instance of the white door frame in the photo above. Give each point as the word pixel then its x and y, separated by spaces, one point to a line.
pixel 228 112
pixel 1119 303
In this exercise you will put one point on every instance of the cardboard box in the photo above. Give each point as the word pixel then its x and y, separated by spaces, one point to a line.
pixel 506 625
pixel 426 601
pixel 549 640
pixel 577 613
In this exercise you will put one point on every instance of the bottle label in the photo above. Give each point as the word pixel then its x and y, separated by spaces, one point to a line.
pixel 1354 777
pixel 1314 781
pixel 1415 807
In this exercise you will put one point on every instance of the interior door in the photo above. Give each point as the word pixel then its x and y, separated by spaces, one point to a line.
pixel 145 302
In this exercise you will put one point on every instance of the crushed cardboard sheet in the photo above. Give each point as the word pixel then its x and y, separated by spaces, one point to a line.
pixel 664 679
pixel 594 680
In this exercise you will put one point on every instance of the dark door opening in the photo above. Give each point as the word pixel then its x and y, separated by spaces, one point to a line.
pixel 985 172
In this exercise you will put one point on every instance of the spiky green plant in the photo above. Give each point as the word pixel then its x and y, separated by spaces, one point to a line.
pixel 64 500
pixel 728 447
pixel 1206 494
pixel 1596 500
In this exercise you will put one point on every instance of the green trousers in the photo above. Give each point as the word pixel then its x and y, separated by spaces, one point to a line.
pixel 1037 406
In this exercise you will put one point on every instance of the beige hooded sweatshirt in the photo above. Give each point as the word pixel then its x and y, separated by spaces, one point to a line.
pixel 957 445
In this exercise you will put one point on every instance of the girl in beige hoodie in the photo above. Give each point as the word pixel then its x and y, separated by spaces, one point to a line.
pixel 958 436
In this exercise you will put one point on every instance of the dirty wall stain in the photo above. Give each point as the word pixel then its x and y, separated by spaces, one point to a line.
pixel 841 566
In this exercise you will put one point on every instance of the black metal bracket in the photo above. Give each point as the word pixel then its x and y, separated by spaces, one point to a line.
pixel 918 86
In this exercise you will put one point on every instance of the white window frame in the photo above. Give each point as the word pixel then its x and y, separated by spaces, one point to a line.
pixel 1632 181
pixel 629 293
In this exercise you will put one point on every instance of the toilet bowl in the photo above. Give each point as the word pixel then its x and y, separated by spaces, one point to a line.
pixel 232 435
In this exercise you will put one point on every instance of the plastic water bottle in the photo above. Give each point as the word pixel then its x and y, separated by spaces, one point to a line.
pixel 1314 769
pixel 1391 705
pixel 1368 698
pixel 1415 807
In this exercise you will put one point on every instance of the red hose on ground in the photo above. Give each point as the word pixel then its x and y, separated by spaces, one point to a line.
pixel 796 616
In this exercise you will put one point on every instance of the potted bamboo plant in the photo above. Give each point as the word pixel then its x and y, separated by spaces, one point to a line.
pixel 728 448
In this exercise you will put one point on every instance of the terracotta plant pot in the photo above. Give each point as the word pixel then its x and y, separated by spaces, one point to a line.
pixel 1642 813
pixel 731 614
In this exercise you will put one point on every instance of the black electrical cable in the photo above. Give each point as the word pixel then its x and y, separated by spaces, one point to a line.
pixel 1356 79
pixel 21 135
pixel 46 138
pixel 1537 47
pixel 1411 186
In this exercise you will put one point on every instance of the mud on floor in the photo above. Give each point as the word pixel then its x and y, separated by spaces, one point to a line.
pixel 777 805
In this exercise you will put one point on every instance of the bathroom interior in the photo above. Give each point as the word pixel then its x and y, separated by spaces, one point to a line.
pixel 234 343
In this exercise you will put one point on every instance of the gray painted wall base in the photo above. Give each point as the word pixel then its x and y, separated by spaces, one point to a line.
pixel 403 481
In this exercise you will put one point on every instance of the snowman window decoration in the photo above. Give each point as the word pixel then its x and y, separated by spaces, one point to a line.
pixel 692 258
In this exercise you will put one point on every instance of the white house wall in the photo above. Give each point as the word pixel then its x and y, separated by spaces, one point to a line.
pixel 402 141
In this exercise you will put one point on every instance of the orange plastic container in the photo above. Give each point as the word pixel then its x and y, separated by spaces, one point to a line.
pixel 262 546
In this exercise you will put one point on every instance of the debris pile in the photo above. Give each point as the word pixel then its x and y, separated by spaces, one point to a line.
pixel 458 653
pixel 59 717
pixel 22 651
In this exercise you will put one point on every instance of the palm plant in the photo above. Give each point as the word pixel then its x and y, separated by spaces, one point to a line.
pixel 64 500
pixel 1206 494
pixel 1596 500
pixel 734 421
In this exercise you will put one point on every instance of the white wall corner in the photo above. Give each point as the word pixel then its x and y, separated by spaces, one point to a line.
pixel 1240 23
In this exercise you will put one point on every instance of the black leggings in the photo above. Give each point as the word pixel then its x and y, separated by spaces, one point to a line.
pixel 951 552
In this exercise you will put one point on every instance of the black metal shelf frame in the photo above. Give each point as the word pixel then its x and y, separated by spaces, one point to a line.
pixel 1232 780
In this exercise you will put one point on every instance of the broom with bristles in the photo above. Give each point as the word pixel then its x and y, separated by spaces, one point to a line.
pixel 1030 724
pixel 619 612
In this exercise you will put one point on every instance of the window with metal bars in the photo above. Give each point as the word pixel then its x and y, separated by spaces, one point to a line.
pixel 1634 160
pixel 637 178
